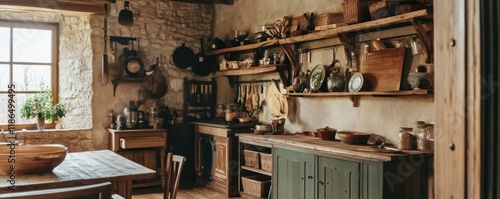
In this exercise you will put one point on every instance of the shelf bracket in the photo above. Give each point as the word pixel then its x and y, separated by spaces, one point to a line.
pixel 288 48
pixel 355 100
pixel 348 41
pixel 233 80
pixel 426 39
pixel 284 79
pixel 115 84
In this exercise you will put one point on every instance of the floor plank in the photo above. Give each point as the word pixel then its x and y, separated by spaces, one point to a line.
pixel 197 193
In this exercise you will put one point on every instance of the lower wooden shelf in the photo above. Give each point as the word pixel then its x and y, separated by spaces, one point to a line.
pixel 253 70
pixel 263 172
pixel 356 96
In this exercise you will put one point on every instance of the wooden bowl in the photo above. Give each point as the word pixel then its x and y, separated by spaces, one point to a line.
pixel 353 137
pixel 32 158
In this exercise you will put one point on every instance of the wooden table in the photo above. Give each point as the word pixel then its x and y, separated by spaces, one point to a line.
pixel 84 168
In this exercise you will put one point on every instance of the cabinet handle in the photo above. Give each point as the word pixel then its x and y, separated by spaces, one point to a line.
pixel 301 178
pixel 319 182
pixel 309 177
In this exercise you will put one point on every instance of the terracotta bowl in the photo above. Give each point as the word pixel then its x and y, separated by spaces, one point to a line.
pixel 32 158
pixel 353 137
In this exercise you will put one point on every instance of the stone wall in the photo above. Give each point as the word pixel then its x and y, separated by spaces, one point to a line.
pixel 160 26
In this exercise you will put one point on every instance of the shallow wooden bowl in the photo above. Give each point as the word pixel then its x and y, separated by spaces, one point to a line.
pixel 31 158
pixel 353 137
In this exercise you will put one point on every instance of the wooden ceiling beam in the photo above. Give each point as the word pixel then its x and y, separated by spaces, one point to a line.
pixel 90 6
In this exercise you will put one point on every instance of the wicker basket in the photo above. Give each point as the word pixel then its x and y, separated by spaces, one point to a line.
pixel 380 10
pixel 251 158
pixel 266 161
pixel 257 185
pixel 356 11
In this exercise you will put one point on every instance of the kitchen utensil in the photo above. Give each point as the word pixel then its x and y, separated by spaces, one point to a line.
pixel 278 125
pixel 353 137
pixel 248 103
pixel 239 35
pixel 134 67
pixel 126 17
pixel 155 83
pixel 183 57
pixel 356 82
pixel 382 70
pixel 198 91
pixel 193 93
pixel 317 77
pixel 255 98
pixel 326 133
pixel 202 65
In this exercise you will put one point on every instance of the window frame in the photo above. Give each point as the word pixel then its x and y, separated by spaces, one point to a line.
pixel 54 27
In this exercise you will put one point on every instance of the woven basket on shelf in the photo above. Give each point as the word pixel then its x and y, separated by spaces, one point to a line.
pixel 266 161
pixel 356 11
pixel 251 158
pixel 257 185
pixel 379 10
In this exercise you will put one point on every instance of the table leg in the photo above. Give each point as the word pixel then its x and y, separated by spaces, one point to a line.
pixel 125 189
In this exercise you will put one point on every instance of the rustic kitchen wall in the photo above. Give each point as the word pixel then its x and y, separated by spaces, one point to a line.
pixel 380 115
pixel 160 26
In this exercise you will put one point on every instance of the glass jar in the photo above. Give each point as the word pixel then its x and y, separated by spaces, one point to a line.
pixel 424 133
pixel 220 111
pixel 231 112
pixel 406 138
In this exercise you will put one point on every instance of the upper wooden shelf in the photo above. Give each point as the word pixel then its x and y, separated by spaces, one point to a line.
pixel 253 70
pixel 248 47
pixel 398 19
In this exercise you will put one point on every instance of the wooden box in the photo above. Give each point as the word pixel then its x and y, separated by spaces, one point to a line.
pixel 251 158
pixel 329 20
pixel 298 25
pixel 379 10
pixel 266 161
pixel 257 185
pixel 406 8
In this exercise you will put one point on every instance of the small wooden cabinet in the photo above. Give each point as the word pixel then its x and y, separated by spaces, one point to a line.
pixel 293 174
pixel 338 178
pixel 221 161
pixel 143 146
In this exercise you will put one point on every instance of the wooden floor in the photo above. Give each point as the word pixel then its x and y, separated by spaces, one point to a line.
pixel 191 193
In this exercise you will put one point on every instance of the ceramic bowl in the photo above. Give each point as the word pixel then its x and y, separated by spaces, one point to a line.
pixel 353 137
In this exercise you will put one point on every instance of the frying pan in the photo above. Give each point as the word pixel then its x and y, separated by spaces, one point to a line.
pixel 203 64
pixel 183 57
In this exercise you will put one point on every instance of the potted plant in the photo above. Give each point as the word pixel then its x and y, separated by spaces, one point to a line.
pixel 41 107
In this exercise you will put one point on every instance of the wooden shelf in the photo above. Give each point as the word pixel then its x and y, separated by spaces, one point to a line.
pixel 354 97
pixel 373 93
pixel 263 172
pixel 248 47
pixel 398 19
pixel 253 70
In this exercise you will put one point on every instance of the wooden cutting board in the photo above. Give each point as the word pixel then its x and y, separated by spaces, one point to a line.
pixel 382 70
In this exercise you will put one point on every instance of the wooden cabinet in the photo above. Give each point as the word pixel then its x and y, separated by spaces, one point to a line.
pixel 143 146
pixel 293 174
pixel 219 146
pixel 338 178
pixel 300 175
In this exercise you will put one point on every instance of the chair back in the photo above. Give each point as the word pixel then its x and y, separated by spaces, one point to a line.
pixel 173 170
pixel 95 191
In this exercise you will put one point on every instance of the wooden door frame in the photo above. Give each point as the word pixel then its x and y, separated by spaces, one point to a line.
pixel 458 99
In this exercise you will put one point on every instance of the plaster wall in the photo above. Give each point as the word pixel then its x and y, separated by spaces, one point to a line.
pixel 379 115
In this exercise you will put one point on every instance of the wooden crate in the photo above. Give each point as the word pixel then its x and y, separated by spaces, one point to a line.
pixel 257 185
pixel 266 161
pixel 356 11
pixel 379 10
pixel 329 20
pixel 251 158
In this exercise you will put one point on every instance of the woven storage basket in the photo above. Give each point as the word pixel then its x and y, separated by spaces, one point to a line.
pixel 381 10
pixel 251 158
pixel 257 185
pixel 356 11
pixel 266 161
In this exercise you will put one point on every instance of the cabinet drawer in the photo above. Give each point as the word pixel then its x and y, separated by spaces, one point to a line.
pixel 141 142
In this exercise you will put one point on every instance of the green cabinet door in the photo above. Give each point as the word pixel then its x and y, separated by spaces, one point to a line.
pixel 293 174
pixel 372 178
pixel 338 179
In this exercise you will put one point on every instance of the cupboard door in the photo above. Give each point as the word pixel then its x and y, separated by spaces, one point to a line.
pixel 293 174
pixel 221 157
pixel 372 180
pixel 338 178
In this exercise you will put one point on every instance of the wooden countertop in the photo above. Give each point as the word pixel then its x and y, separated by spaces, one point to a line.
pixel 331 148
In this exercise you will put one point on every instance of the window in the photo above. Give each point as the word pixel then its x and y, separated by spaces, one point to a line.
pixel 28 59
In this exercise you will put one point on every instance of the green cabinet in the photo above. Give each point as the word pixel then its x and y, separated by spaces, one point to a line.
pixel 293 174
pixel 306 175
pixel 338 178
